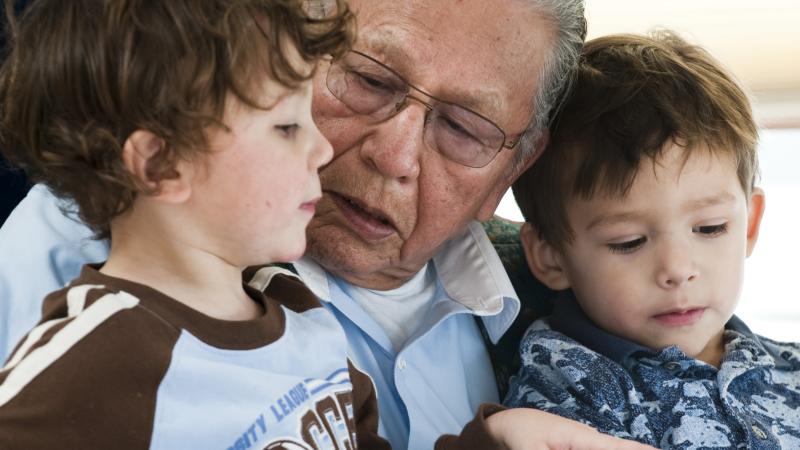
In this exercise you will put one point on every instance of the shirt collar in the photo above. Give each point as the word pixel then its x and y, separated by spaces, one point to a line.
pixel 569 319
pixel 782 363
pixel 470 272
pixel 314 276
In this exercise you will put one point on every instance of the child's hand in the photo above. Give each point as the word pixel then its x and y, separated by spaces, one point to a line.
pixel 531 429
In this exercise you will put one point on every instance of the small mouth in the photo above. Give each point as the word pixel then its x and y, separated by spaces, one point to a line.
pixel 310 206
pixel 681 317
pixel 369 223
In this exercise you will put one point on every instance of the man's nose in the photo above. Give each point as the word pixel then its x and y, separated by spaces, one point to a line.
pixel 676 266
pixel 395 148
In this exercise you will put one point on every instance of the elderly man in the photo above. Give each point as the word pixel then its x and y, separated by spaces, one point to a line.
pixel 436 111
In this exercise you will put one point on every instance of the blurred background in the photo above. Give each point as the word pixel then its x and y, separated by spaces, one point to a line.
pixel 760 43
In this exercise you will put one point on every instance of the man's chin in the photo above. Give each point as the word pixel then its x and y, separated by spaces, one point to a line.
pixel 356 261
pixel 339 251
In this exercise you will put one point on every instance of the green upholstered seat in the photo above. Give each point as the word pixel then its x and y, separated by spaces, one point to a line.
pixel 535 297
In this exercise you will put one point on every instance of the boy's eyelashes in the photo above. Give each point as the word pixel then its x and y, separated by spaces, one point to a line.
pixel 631 245
pixel 711 230
pixel 626 246
pixel 288 130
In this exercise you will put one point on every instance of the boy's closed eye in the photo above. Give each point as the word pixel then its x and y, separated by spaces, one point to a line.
pixel 711 230
pixel 627 245
pixel 288 130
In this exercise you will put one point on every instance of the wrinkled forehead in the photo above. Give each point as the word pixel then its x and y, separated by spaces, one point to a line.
pixel 483 54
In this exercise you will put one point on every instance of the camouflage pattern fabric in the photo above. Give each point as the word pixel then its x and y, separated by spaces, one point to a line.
pixel 666 399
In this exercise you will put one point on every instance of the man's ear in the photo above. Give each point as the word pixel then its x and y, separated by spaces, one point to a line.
pixel 489 205
pixel 755 211
pixel 543 260
pixel 138 152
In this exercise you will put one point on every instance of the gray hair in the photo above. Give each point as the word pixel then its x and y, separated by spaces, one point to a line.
pixel 566 17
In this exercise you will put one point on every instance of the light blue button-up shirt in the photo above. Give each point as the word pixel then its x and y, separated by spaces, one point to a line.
pixel 432 386
pixel 41 250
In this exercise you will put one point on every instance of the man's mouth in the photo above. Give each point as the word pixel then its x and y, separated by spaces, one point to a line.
pixel 370 223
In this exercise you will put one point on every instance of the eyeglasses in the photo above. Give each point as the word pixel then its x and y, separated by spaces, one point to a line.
pixel 371 88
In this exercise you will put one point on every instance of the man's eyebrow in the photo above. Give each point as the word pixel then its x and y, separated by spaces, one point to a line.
pixel 479 99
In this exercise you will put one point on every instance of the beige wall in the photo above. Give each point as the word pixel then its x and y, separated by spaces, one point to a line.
pixel 758 40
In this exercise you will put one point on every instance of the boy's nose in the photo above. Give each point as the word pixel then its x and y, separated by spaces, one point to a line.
pixel 322 151
pixel 676 269
pixel 675 279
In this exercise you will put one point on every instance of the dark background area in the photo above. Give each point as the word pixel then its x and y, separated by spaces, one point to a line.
pixel 13 183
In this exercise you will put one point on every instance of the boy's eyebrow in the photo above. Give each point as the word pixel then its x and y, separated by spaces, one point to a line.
pixel 610 219
pixel 627 216
pixel 711 200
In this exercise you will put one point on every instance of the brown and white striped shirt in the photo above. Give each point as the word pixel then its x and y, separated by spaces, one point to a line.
pixel 117 365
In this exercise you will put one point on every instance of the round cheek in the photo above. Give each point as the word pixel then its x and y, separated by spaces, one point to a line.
pixel 608 294
pixel 726 282
pixel 723 270
pixel 442 186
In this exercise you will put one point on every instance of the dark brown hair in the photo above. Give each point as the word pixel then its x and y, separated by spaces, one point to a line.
pixel 81 75
pixel 634 96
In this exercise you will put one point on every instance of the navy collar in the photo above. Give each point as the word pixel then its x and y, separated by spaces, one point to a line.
pixel 569 319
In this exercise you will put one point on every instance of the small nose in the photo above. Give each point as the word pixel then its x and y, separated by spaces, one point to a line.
pixel 676 267
pixel 322 150
pixel 394 149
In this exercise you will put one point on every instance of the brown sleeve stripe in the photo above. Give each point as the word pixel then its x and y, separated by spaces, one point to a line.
pixel 76 301
pixel 30 366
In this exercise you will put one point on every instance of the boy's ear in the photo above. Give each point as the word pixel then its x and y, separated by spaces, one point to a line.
pixel 755 211
pixel 137 153
pixel 489 205
pixel 543 260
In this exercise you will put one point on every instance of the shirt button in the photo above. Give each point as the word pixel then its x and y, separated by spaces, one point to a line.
pixel 758 432
pixel 401 364
pixel 672 366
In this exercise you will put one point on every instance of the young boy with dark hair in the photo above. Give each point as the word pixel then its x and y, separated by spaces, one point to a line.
pixel 182 130
pixel 642 211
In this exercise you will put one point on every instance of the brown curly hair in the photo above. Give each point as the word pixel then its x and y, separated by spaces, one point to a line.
pixel 634 95
pixel 81 75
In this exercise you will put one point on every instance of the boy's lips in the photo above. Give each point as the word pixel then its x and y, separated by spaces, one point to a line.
pixel 310 206
pixel 680 317
pixel 370 223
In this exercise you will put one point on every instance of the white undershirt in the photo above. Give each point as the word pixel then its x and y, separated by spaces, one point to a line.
pixel 399 311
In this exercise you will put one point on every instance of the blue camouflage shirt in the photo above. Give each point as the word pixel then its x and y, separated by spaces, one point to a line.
pixel 666 399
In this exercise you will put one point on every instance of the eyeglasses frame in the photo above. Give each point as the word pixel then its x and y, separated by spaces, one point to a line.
pixel 508 144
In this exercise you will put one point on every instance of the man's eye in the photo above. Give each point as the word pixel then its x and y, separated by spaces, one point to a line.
pixel 711 230
pixel 288 130
pixel 457 128
pixel 627 246
pixel 371 82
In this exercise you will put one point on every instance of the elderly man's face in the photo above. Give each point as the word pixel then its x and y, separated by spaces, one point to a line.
pixel 389 200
